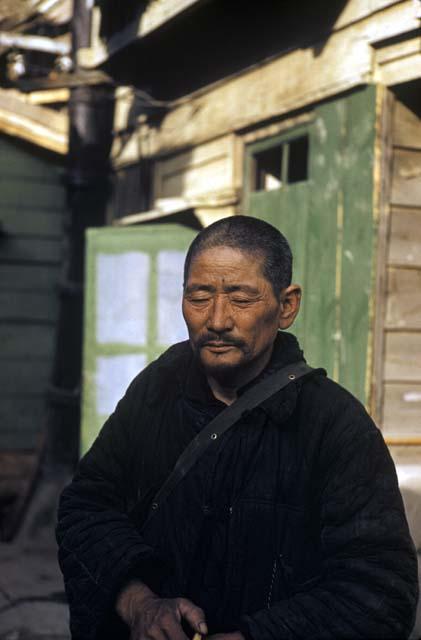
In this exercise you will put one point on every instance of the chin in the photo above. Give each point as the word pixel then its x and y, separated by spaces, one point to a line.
pixel 218 366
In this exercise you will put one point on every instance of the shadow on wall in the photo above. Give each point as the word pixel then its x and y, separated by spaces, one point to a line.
pixel 260 30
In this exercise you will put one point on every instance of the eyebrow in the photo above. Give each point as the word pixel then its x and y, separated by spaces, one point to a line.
pixel 246 288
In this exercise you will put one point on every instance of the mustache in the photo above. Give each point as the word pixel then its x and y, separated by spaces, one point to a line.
pixel 215 337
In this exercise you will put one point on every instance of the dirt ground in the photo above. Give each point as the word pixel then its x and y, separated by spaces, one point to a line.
pixel 32 599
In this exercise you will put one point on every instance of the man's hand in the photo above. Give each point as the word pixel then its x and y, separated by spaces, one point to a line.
pixel 152 618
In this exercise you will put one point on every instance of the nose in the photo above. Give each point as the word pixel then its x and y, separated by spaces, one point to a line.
pixel 220 318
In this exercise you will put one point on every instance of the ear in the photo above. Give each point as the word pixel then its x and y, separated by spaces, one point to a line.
pixel 290 305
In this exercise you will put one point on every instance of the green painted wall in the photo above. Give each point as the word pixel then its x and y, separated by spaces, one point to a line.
pixel 330 224
pixel 32 212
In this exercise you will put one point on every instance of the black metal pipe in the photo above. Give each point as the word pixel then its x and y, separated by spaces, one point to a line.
pixel 91 113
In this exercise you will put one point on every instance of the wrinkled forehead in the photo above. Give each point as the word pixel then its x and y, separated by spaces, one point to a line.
pixel 224 255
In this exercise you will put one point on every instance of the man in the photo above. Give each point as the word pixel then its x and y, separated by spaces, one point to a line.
pixel 290 526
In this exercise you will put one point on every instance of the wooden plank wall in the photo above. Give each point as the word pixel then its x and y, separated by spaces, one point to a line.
pixel 351 55
pixel 205 172
pixel 201 170
pixel 402 368
pixel 32 207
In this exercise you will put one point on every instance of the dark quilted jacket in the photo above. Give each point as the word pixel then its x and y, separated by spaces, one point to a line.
pixel 291 527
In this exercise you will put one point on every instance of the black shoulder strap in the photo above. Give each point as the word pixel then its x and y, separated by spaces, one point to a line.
pixel 223 421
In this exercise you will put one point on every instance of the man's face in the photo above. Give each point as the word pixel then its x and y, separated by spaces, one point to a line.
pixel 231 311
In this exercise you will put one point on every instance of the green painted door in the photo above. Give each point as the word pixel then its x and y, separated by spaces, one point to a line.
pixel 315 183
pixel 132 310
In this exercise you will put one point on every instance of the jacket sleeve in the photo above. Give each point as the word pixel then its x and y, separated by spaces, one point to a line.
pixel 99 546
pixel 368 585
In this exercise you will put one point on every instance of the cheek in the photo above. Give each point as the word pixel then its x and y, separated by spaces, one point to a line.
pixel 194 318
pixel 256 323
pixel 264 329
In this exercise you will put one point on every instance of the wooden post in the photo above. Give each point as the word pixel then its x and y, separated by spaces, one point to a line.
pixel 91 112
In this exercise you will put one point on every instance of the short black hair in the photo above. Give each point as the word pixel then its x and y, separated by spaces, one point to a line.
pixel 252 236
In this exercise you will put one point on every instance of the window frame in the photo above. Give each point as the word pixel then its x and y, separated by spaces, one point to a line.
pixel 282 140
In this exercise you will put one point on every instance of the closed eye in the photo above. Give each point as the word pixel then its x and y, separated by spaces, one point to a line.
pixel 242 301
pixel 198 299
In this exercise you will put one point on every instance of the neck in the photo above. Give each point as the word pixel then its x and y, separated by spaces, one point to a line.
pixel 225 387
pixel 222 392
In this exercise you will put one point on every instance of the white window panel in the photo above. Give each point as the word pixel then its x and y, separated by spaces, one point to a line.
pixel 113 376
pixel 171 325
pixel 122 298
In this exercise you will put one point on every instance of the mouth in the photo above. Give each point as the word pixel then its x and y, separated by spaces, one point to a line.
pixel 218 347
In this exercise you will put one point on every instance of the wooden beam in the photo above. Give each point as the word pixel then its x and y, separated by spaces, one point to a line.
pixel 156 14
pixel 41 126
pixel 160 12
pixel 398 60
pixel 381 199
pixel 402 441
pixel 388 52
pixel 401 70
pixel 64 80
pixel 357 10
pixel 49 96
pixel 58 46
pixel 201 206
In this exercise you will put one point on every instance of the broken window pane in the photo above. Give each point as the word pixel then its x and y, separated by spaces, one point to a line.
pixel 298 160
pixel 268 167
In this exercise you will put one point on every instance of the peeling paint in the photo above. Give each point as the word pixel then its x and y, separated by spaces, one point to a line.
pixel 321 130
pixel 320 160
pixel 331 187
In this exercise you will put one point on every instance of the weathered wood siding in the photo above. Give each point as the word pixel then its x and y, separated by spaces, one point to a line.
pixel 32 209
pixel 375 41
pixel 204 174
pixel 207 168
pixel 402 323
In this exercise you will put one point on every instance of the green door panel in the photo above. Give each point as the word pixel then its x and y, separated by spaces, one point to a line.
pixel 359 242
pixel 330 224
pixel 287 209
pixel 132 310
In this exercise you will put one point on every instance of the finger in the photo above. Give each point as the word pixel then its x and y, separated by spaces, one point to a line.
pixel 174 631
pixel 194 615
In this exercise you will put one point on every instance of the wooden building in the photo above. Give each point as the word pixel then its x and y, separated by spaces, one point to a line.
pixel 303 114
pixel 33 142
pixel 309 117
